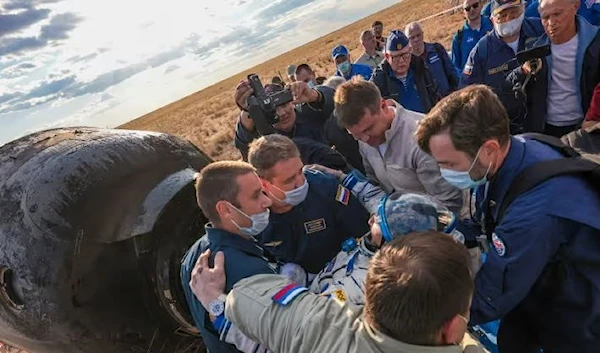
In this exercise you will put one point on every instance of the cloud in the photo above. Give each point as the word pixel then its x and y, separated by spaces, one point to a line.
pixel 171 68
pixel 26 4
pixel 57 29
pixel 17 70
pixel 11 23
pixel 81 58
pixel 49 88
pixel 280 8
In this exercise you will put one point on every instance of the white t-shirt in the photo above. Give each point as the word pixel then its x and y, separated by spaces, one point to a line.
pixel 514 45
pixel 564 107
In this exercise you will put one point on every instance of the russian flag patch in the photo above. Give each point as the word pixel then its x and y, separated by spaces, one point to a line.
pixel 343 195
pixel 288 293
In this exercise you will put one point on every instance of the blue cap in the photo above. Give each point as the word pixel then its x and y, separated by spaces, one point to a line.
pixel 499 5
pixel 396 40
pixel 339 50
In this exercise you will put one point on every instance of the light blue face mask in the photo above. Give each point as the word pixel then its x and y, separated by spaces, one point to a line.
pixel 311 84
pixel 344 67
pixel 463 180
pixel 293 197
pixel 260 221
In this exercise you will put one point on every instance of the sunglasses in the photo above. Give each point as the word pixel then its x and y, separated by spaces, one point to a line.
pixel 474 6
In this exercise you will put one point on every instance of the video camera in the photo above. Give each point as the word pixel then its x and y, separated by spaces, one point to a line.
pixel 530 55
pixel 262 106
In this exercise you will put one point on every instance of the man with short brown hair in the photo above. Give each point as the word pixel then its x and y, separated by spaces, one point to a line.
pixel 231 196
pixel 311 212
pixel 390 154
pixel 534 276
pixel 418 291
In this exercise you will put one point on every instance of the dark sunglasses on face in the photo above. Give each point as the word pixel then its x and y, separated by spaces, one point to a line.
pixel 473 6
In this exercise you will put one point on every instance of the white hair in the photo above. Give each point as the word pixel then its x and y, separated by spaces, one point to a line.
pixel 334 81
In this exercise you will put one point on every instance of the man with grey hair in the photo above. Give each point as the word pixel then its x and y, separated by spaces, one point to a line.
pixel 334 81
pixel 435 57
pixel 370 57
pixel 560 94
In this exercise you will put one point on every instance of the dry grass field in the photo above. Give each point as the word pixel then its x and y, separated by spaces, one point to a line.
pixel 207 117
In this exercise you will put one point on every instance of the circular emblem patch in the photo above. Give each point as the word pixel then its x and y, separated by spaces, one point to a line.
pixel 498 245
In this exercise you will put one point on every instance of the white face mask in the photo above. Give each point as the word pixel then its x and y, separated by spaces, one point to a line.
pixel 293 197
pixel 260 221
pixel 509 28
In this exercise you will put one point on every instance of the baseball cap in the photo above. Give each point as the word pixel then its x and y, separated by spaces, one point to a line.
pixel 291 70
pixel 339 50
pixel 401 213
pixel 396 40
pixel 499 5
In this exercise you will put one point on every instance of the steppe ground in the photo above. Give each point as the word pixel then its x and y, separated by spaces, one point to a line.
pixel 207 117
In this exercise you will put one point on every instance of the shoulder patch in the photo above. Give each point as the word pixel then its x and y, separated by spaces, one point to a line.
pixel 288 293
pixel 498 244
pixel 343 195
pixel 468 69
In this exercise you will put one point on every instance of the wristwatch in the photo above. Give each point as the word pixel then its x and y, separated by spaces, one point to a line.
pixel 217 306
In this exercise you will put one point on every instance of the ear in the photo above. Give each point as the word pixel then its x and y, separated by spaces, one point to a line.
pixel 490 146
pixel 453 331
pixel 223 209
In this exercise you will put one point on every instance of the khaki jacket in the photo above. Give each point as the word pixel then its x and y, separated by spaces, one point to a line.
pixel 312 323
pixel 405 166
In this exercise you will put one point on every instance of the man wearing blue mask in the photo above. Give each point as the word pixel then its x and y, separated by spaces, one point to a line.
pixel 231 196
pixel 345 69
pixel 312 213
pixel 540 276
pixel 304 73
pixel 493 57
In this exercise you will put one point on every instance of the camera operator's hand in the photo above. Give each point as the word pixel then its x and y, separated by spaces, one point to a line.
pixel 302 93
pixel 527 67
pixel 242 92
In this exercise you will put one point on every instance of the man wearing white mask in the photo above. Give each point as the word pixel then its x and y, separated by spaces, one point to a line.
pixel 493 56
pixel 312 213
pixel 231 196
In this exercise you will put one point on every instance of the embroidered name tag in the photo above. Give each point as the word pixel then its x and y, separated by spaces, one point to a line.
pixel 316 225
pixel 288 293
pixel 343 195
pixel 273 244
pixel 498 69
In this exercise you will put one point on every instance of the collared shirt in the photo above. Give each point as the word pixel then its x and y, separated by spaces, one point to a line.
pixel 243 258
pixel 370 60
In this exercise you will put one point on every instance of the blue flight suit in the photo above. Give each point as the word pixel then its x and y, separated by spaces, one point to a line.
pixel 587 75
pixel 312 233
pixel 487 10
pixel 465 39
pixel 419 94
pixel 491 60
pixel 357 69
pixel 243 258
pixel 542 266
pixel 588 9
pixel 437 60
pixel 310 121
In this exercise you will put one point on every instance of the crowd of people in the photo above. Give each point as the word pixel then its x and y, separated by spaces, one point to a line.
pixel 401 204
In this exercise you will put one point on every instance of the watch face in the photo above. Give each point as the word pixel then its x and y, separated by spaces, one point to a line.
pixel 216 307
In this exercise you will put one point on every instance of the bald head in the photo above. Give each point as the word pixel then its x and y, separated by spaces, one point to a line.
pixel 415 36
pixel 559 19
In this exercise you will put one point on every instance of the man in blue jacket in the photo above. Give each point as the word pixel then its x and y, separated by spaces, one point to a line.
pixel 312 213
pixel 493 57
pixel 231 196
pixel 404 77
pixel 304 117
pixel 435 57
pixel 560 94
pixel 588 9
pixel 541 275
pixel 341 58
pixel 475 27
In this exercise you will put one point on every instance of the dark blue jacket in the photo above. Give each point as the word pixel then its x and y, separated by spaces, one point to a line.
pixel 465 39
pixel 491 60
pixel 357 69
pixel 588 9
pixel 243 258
pixel 312 232
pixel 587 74
pixel 545 256
pixel 437 60
pixel 419 96
pixel 309 123
pixel 487 10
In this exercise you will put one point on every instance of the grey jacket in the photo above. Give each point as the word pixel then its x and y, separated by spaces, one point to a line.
pixel 405 166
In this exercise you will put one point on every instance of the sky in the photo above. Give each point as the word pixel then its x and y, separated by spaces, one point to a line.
pixel 105 62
